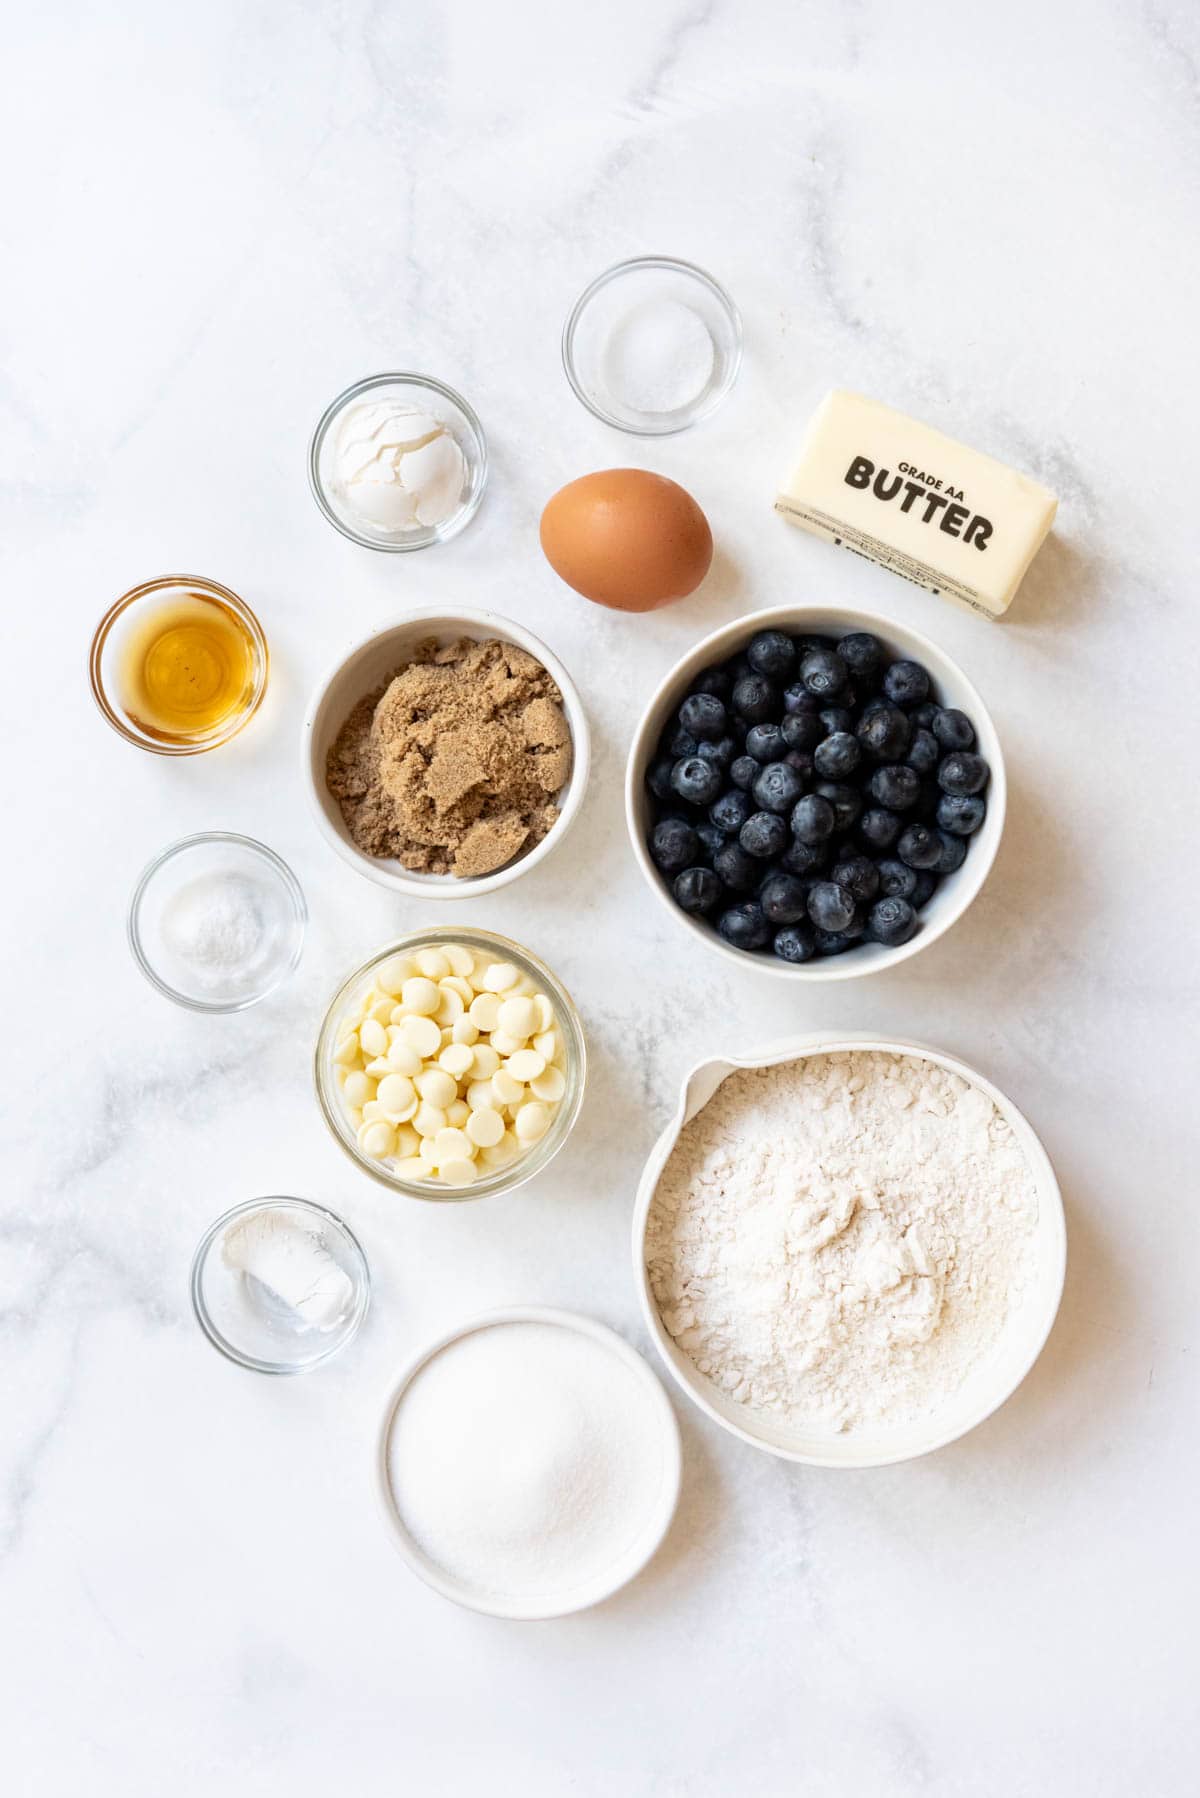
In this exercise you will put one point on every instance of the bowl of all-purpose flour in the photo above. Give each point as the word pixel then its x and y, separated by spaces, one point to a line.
pixel 849 1252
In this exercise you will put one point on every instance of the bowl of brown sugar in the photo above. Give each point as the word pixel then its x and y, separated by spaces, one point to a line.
pixel 446 754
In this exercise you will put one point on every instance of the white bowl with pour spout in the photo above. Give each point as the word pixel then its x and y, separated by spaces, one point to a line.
pixel 988 1384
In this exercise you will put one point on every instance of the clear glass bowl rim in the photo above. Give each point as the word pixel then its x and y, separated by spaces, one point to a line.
pixel 221 1343
pixel 213 589
pixel 278 866
pixel 436 534
pixel 516 1173
pixel 676 265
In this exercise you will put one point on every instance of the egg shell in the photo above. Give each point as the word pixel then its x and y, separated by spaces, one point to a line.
pixel 627 538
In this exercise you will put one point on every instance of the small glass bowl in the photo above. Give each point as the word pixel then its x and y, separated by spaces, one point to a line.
pixel 127 614
pixel 609 300
pixel 514 1173
pixel 247 1323
pixel 164 888
pixel 418 391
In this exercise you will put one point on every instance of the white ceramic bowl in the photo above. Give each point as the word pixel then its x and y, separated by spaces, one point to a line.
pixel 653 1527
pixel 366 667
pixel 994 1379
pixel 951 687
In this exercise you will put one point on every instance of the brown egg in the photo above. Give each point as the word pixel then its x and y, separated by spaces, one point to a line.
pixel 627 539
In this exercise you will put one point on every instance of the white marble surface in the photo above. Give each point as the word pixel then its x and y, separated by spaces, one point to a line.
pixel 216 217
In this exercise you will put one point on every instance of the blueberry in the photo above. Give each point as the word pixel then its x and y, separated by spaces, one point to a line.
pixel 961 814
pixel 924 807
pixel 846 802
pixel 704 715
pixel 680 742
pixel 862 654
pixel 712 838
pixel 812 640
pixel 730 811
pixel 879 828
pixel 765 742
pixel 804 858
pixel 658 777
pixel 884 733
pixel 723 752
pixel 696 890
pixel 673 845
pixel 891 922
pixel 801 761
pixel 778 787
pixel 783 899
pixel 716 680
pixel 754 698
pixel 794 943
pixel 838 756
pixel 954 853
pixel 896 880
pixel 952 729
pixel 738 665
pixel 919 847
pixel 836 718
pixel 876 703
pixel 858 874
pixel 922 716
pixel 823 673
pixel 764 834
pixel 771 653
pixel 799 702
pixel 895 786
pixel 906 683
pixel 962 773
pixel 743 771
pixel 835 942
pixel 735 869
pixel 923 752
pixel 812 819
pixel 802 730
pixel 924 889
pixel 696 780
pixel 830 906
pixel 744 926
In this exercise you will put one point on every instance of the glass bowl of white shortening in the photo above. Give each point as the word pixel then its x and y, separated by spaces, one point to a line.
pixel 989 1381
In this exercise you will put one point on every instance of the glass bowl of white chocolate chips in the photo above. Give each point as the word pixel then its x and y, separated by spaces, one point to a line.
pixel 451 1065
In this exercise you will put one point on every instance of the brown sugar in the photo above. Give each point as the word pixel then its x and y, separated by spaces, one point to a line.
pixel 454 765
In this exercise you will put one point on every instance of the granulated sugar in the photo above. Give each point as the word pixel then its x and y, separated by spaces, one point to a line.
pixel 837 1241
pixel 526 1460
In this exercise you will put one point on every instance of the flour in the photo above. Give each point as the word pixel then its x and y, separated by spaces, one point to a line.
pixel 837 1241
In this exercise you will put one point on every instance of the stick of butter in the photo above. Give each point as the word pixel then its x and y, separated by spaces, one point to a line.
pixel 916 502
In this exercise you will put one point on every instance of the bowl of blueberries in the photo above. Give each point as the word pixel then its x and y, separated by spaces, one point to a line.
pixel 820 791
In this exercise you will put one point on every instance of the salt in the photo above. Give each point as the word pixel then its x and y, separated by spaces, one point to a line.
pixel 215 925
pixel 659 357
pixel 526 1460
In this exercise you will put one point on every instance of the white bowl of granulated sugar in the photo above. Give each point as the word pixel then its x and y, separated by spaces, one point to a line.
pixel 849 1252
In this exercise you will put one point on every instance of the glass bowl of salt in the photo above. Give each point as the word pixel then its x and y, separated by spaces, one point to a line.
pixel 217 922
pixel 652 346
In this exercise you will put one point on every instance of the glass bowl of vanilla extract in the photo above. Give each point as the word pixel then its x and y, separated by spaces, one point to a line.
pixel 179 665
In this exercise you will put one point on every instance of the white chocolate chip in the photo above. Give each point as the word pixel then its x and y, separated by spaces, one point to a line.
pixel 486 1061
pixel 485 1127
pixel 402 1058
pixel 396 1093
pixel 358 1088
pixel 393 973
pixel 457 1115
pixel 504 1044
pixel 549 1086
pixel 485 1011
pixel 457 1059
pixel 381 1011
pixel 545 1010
pixel 532 1122
pixel 437 1087
pixel 464 1030
pixel 376 1139
pixel 433 963
pixel 460 958
pixel 347 1050
pixel 411 1168
pixel 546 1044
pixel 373 1037
pixel 500 976
pixel 407 1140
pixel 505 1090
pixel 428 1120
pixel 502 1152
pixel 455 983
pixel 379 1067
pixel 426 1151
pixel 453 1145
pixel 422 1034
pixel 525 1065
pixel 421 995
pixel 519 1018
pixel 480 1096
pixel 450 1007
pixel 458 1173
